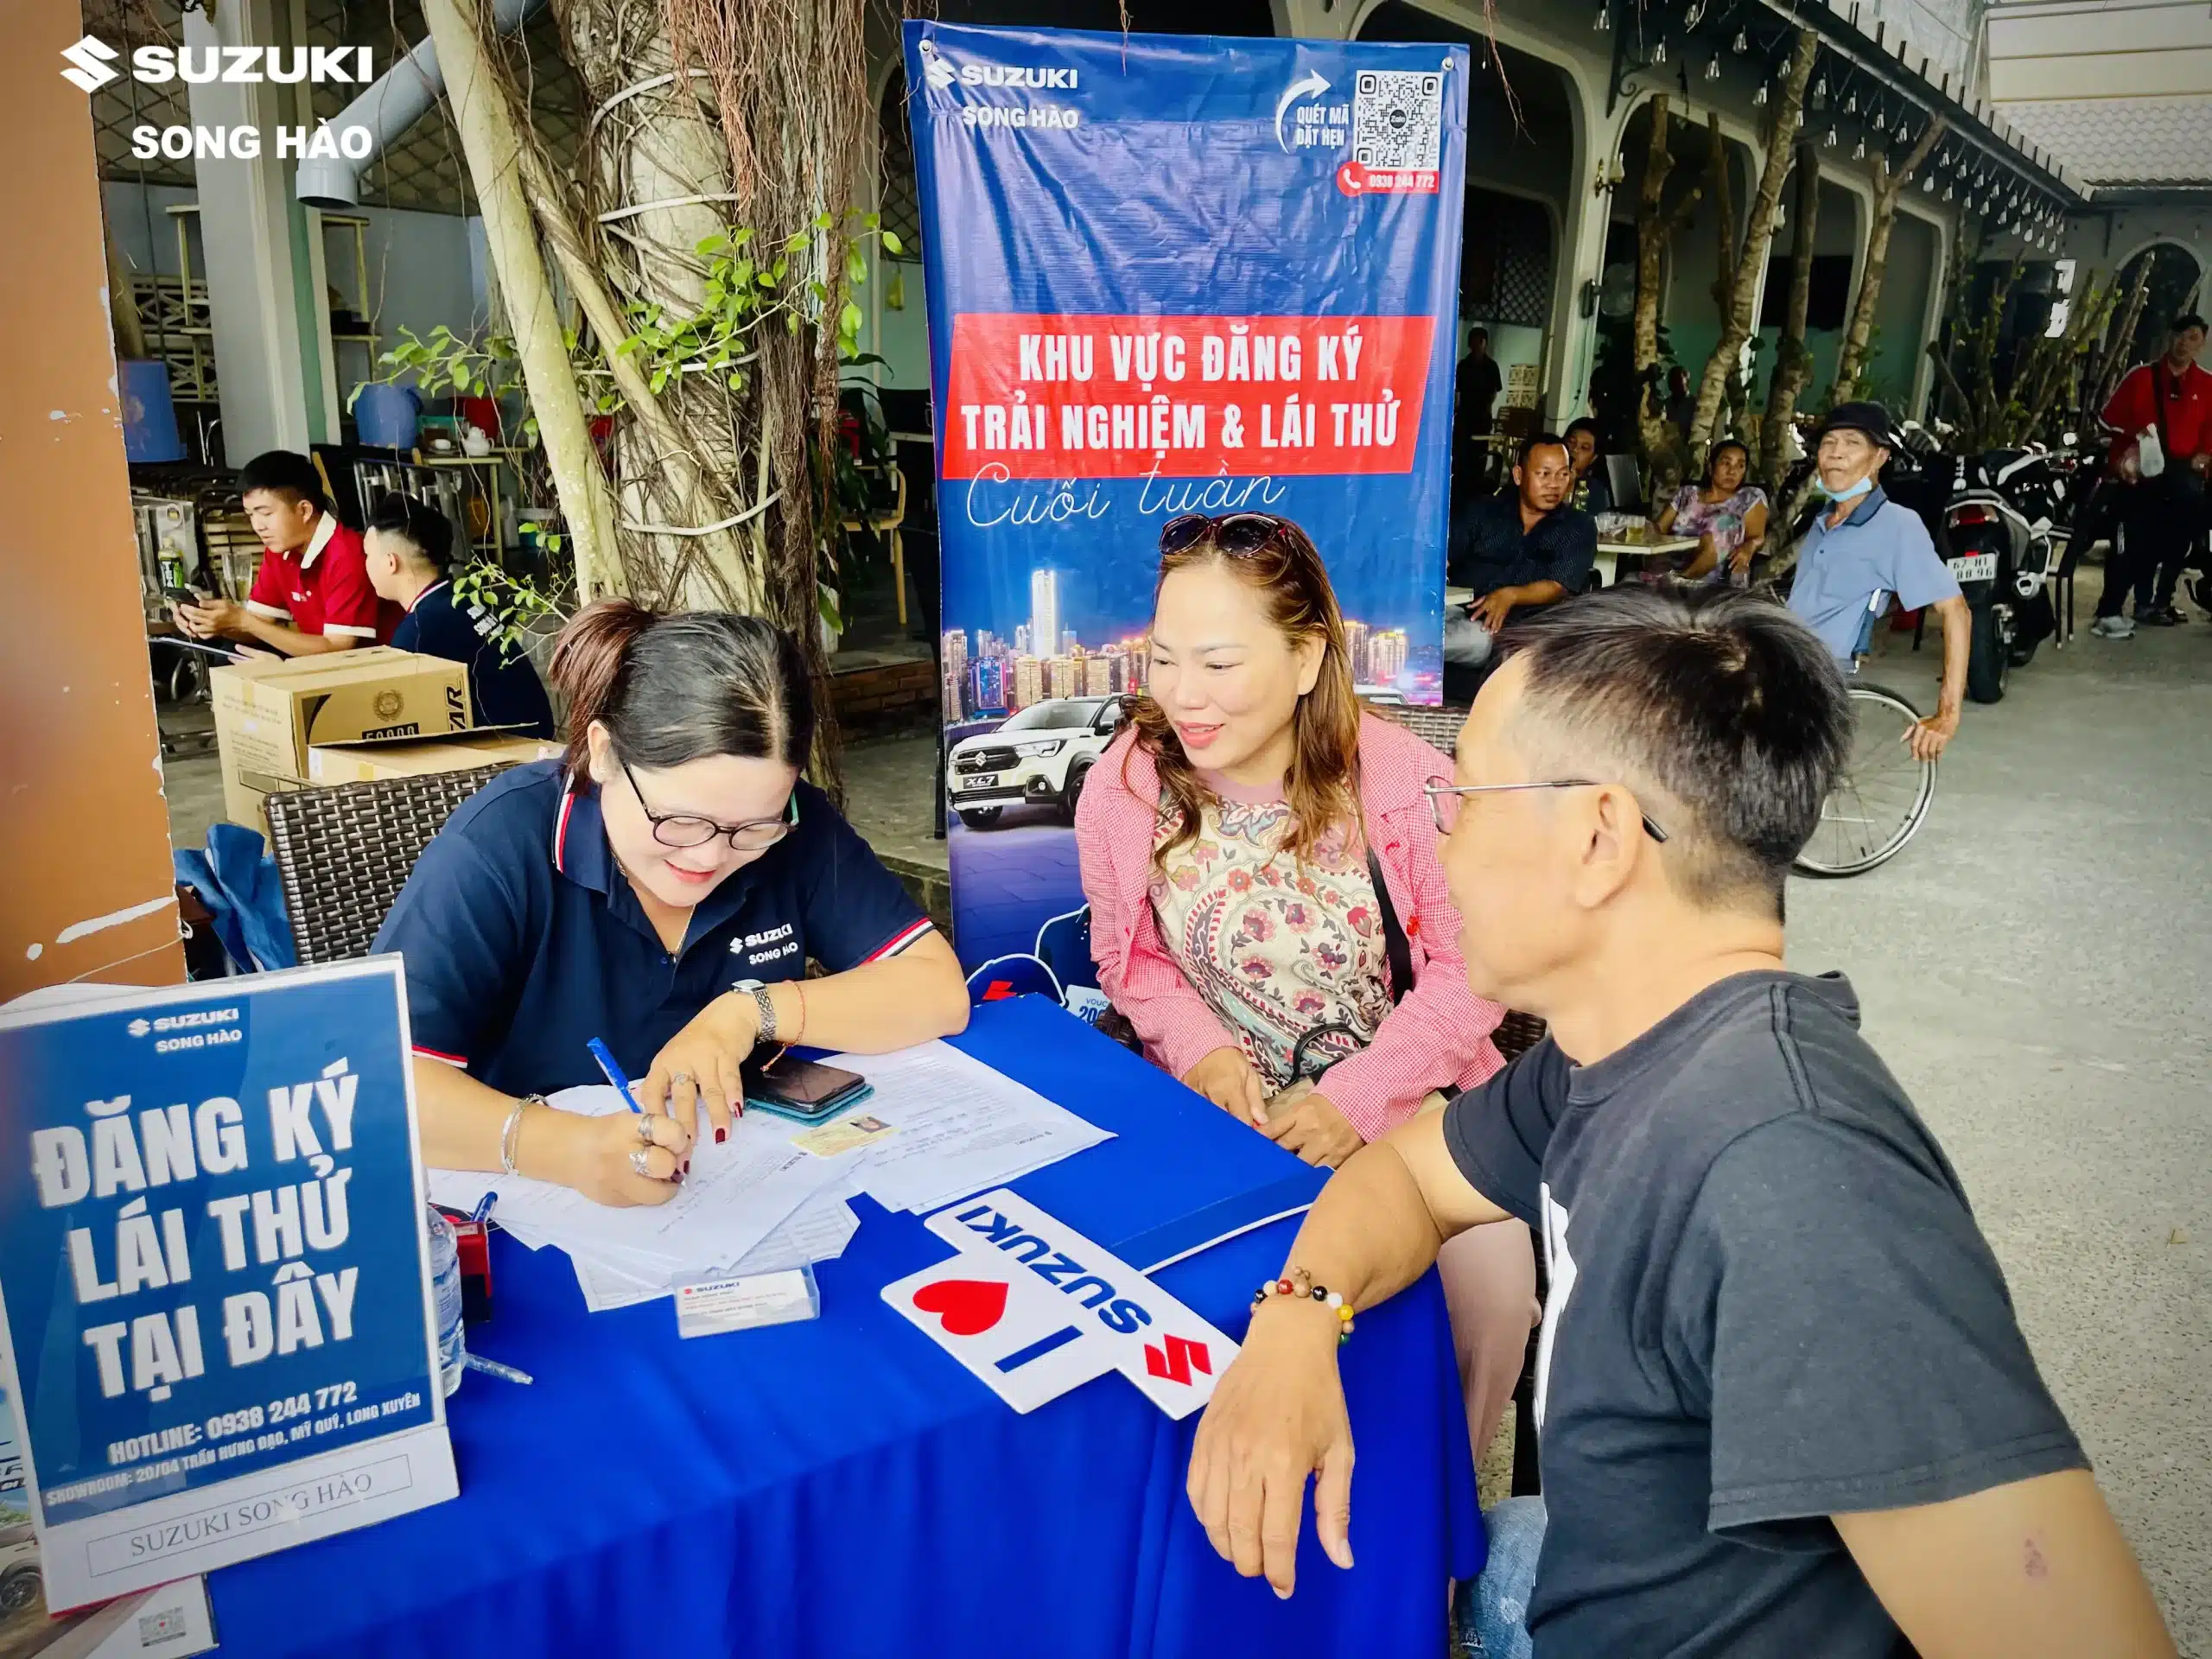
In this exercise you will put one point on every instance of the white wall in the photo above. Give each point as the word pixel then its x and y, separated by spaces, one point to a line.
pixel 424 268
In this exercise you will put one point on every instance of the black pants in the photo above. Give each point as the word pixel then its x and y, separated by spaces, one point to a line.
pixel 2158 526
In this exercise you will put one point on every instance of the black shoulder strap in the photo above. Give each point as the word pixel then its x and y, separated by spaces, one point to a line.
pixel 1394 937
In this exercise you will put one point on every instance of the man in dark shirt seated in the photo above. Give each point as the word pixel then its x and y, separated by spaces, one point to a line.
pixel 408 548
pixel 1517 551
pixel 1786 1407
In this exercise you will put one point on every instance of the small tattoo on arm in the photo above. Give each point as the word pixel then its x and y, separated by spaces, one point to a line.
pixel 2036 1568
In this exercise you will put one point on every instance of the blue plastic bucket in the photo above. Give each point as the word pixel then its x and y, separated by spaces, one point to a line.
pixel 384 416
pixel 149 417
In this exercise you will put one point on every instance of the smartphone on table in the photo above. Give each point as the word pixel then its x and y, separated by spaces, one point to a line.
pixel 807 1091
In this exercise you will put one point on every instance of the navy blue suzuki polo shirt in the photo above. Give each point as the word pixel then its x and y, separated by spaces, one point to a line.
pixel 502 687
pixel 523 939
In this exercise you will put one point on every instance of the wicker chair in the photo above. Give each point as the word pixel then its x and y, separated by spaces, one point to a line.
pixel 343 854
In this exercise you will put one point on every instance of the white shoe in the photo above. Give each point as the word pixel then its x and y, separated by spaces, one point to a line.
pixel 2113 628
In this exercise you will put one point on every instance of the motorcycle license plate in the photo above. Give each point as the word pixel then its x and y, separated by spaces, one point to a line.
pixel 1973 567
pixel 980 780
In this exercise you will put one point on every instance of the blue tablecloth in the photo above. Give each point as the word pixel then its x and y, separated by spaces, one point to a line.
pixel 842 1488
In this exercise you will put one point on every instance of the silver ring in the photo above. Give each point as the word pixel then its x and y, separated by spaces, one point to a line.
pixel 645 1128
pixel 637 1163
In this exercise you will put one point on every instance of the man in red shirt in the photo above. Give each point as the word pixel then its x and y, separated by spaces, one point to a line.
pixel 313 593
pixel 2163 515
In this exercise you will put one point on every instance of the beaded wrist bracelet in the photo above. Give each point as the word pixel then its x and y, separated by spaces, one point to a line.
pixel 1305 1288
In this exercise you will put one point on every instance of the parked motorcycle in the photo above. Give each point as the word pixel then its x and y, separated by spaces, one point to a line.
pixel 2000 538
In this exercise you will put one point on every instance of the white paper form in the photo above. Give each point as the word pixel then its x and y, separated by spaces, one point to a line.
pixel 962 1127
pixel 737 1194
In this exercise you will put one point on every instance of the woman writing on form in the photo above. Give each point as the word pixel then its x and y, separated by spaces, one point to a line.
pixel 1257 851
pixel 660 887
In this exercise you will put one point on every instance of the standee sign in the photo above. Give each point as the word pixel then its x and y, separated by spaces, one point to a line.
pixel 1167 275
pixel 212 1281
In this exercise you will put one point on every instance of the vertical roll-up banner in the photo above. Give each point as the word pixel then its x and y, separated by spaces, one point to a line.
pixel 1167 274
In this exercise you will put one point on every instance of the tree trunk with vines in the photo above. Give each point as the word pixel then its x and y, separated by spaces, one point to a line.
pixel 1736 323
pixel 1888 187
pixel 1793 362
pixel 1654 228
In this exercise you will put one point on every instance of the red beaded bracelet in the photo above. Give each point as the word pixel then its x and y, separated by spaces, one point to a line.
pixel 1304 1287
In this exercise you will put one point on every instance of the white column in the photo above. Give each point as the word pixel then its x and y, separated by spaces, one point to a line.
pixel 1582 259
pixel 262 363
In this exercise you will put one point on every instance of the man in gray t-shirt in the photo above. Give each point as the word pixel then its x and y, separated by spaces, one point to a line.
pixel 1784 1406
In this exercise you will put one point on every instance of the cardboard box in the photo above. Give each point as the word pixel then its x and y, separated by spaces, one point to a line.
pixel 269 714
pixel 410 756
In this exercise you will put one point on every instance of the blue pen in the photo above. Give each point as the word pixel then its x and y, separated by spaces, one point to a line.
pixel 493 1368
pixel 622 1085
pixel 483 1208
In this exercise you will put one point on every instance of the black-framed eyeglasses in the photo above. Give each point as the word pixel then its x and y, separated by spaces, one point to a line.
pixel 1444 800
pixel 681 830
pixel 1240 535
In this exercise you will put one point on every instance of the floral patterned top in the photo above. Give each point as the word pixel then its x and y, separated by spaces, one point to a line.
pixel 1723 520
pixel 1275 947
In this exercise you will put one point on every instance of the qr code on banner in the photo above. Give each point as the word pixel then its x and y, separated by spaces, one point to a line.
pixel 167 1625
pixel 1397 118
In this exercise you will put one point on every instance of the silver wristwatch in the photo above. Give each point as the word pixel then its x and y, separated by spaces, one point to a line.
pixel 767 1006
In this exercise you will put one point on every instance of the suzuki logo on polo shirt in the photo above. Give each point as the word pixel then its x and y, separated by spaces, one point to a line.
pixel 772 945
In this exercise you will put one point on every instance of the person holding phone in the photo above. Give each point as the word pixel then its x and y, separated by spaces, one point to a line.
pixel 1267 911
pixel 662 888
pixel 312 592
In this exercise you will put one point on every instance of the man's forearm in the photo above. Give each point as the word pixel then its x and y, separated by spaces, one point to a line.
pixel 1958 643
pixel 1539 593
pixel 1379 1221
pixel 289 640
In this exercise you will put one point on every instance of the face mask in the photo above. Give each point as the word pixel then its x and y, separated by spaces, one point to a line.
pixel 1851 494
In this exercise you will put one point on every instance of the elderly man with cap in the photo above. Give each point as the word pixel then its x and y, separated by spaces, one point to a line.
pixel 1864 545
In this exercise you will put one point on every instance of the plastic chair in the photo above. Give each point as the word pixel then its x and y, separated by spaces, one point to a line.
pixel 344 853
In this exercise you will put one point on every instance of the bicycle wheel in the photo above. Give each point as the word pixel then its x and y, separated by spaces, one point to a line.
pixel 1880 798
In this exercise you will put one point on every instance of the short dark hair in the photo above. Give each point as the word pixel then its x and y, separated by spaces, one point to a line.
pixel 282 472
pixel 1533 442
pixel 1476 328
pixel 1584 423
pixel 2187 320
pixel 671 689
pixel 426 530
pixel 1725 704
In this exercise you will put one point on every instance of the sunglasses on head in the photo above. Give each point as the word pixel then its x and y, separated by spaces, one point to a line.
pixel 1240 535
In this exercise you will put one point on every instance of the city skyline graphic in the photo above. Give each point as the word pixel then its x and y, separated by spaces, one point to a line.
pixel 1043 659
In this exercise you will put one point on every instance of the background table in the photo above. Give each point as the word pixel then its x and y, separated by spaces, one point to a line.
pixel 842 1488
pixel 1618 558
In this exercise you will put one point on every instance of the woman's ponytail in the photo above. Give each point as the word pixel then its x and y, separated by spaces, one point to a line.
pixel 588 664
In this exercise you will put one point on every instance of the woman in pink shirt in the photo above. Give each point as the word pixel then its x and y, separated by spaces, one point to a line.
pixel 1257 850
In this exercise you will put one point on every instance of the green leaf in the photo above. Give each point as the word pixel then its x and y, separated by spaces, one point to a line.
pixel 849 320
pixel 714 243
pixel 822 221
pixel 855 265
pixel 892 244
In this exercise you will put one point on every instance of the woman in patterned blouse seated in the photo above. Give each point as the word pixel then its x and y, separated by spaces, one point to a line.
pixel 1726 514
pixel 1247 845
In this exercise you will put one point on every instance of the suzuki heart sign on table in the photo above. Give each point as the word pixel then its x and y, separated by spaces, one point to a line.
pixel 214 1286
pixel 1167 275
pixel 1034 1309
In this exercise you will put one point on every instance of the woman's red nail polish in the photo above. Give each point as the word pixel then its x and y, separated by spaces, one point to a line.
pixel 720 1135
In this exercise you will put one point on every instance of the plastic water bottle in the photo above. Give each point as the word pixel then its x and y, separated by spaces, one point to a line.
pixel 445 1281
